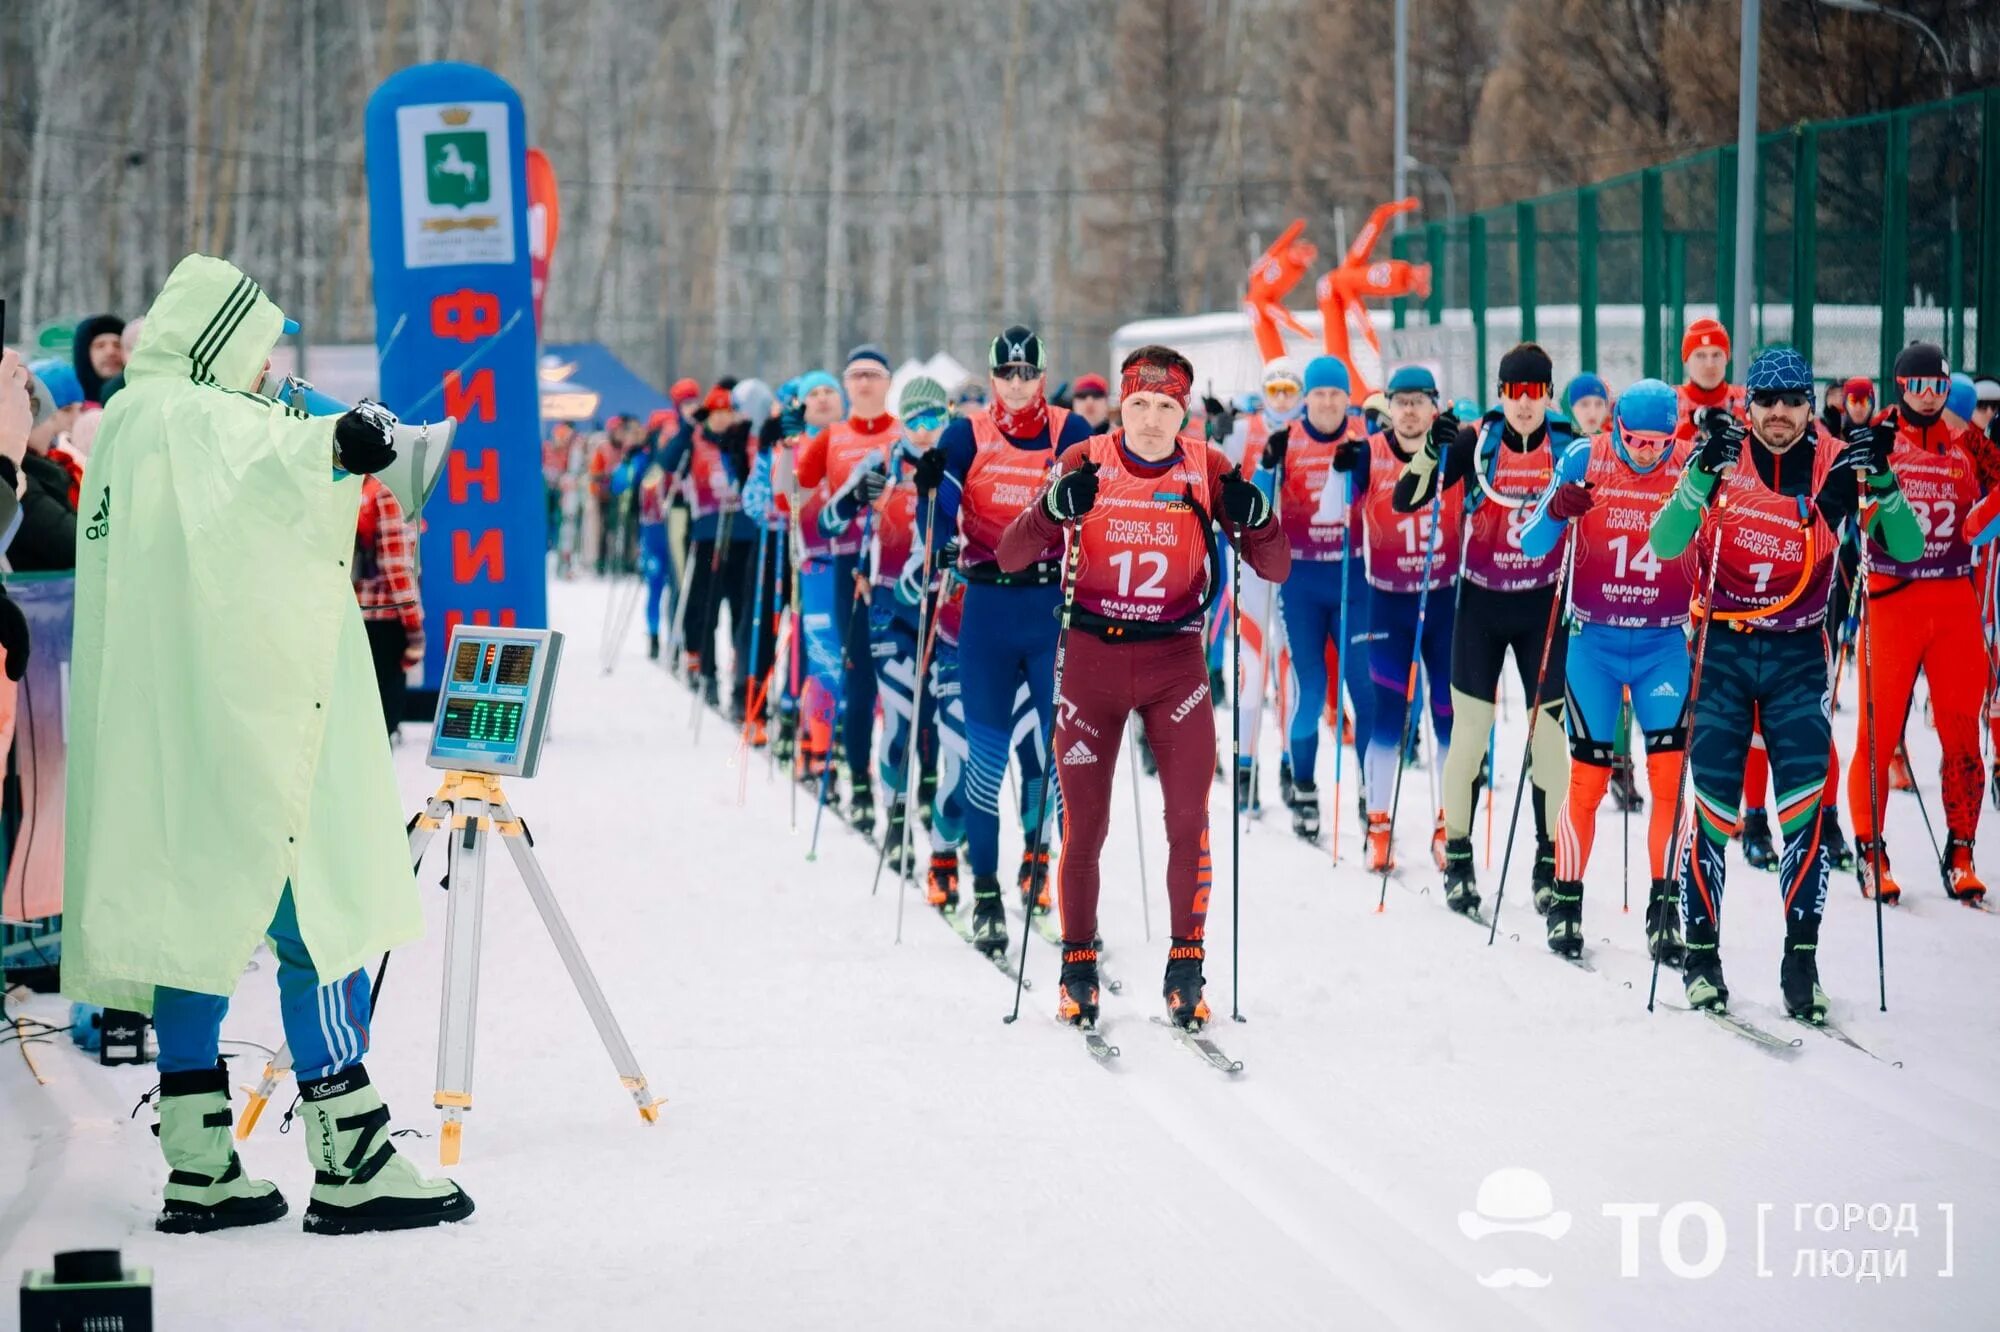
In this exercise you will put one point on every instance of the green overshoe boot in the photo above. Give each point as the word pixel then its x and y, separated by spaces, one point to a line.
pixel 206 1186
pixel 1701 971
pixel 360 1181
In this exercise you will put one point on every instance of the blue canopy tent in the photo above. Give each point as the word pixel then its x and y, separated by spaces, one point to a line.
pixel 619 391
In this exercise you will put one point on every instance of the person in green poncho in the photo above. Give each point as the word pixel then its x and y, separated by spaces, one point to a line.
pixel 229 776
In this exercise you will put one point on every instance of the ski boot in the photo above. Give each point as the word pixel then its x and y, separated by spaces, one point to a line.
pixel 1798 977
pixel 1993 783
pixel 861 804
pixel 1961 879
pixel 1701 972
pixel 691 669
pixel 894 850
pixel 1624 791
pixel 1305 811
pixel 989 916
pixel 1034 867
pixel 1543 879
pixel 1182 987
pixel 1869 853
pixel 206 1187
pixel 1757 849
pixel 1076 993
pixel 1899 772
pixel 1838 854
pixel 941 884
pixel 1246 788
pixel 360 1181
pixel 1288 789
pixel 1663 924
pixel 784 742
pixel 1438 841
pixel 1381 851
pixel 652 647
pixel 1461 890
pixel 711 692
pixel 1565 917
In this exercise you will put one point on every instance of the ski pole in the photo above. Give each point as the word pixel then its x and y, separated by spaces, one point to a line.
pixel 1340 750
pixel 712 613
pixel 1865 681
pixel 1236 789
pixel 1138 824
pixel 1073 560
pixel 1431 543
pixel 1534 715
pixel 750 701
pixel 1681 810
pixel 840 703
pixel 1923 808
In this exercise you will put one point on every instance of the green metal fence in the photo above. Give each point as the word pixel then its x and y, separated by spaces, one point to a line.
pixel 1871 232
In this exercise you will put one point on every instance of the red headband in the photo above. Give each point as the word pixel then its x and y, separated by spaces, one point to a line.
pixel 1145 377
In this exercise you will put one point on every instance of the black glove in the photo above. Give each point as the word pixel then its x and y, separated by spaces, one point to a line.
pixel 361 438
pixel 735 445
pixel 1213 406
pixel 1276 446
pixel 1072 495
pixel 928 470
pixel 1878 440
pixel 769 433
pixel 1722 438
pixel 13 637
pixel 1242 502
pixel 1444 433
pixel 869 483
pixel 1348 455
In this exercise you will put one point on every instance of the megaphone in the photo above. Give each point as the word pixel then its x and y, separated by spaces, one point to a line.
pixel 421 448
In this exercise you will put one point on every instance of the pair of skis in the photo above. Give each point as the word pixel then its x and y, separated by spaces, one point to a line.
pixel 1188 1038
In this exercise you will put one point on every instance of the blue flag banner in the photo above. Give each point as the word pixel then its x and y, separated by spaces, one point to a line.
pixel 455 331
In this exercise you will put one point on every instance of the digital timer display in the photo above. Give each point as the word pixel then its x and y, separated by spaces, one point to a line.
pixel 486 721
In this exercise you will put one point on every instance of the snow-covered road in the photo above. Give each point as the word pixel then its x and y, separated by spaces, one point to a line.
pixel 853 1138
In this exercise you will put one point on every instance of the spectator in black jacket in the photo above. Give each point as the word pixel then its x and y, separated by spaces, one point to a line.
pixel 47 537
pixel 98 354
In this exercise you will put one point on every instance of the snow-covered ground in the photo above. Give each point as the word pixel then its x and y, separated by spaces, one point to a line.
pixel 853 1138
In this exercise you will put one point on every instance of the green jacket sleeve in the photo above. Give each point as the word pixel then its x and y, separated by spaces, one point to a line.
pixel 1679 518
pixel 1892 522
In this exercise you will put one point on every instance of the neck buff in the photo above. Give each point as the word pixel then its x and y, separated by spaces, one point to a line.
pixel 1279 420
pixel 1698 396
pixel 1026 423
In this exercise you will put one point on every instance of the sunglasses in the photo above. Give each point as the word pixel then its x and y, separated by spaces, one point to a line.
pixel 1088 393
pixel 1281 386
pixel 1017 372
pixel 1649 439
pixel 1925 384
pixel 1531 392
pixel 1779 398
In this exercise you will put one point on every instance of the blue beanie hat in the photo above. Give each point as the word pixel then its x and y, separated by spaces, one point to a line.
pixel 59 378
pixel 1649 405
pixel 1465 409
pixel 1585 385
pixel 1412 379
pixel 1326 372
pixel 1964 396
pixel 813 379
pixel 1779 369
pixel 868 351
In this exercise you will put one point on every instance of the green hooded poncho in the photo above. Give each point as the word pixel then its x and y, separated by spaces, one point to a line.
pixel 225 733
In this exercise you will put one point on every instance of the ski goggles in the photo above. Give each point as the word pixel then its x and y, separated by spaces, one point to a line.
pixel 1780 398
pixel 929 420
pixel 1939 384
pixel 1280 386
pixel 1533 392
pixel 1646 439
pixel 1018 371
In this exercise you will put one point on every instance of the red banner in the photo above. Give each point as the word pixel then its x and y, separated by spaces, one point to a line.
pixel 542 226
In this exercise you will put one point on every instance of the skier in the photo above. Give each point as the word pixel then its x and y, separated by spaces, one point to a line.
pixel 1629 612
pixel 820 403
pixel 710 454
pixel 1587 404
pixel 987 468
pixel 1411 558
pixel 826 465
pixel 207 808
pixel 1926 615
pixel 1768 550
pixel 1136 504
pixel 896 649
pixel 1502 464
pixel 1311 463
pixel 1265 651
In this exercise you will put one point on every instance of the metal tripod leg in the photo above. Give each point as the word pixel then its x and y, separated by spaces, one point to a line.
pixel 471 823
pixel 580 975
pixel 422 829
